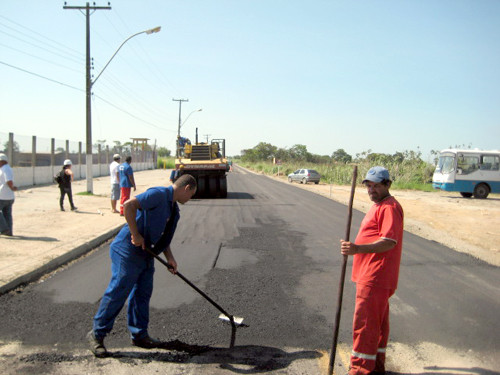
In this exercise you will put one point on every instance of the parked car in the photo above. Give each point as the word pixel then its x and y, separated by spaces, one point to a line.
pixel 304 176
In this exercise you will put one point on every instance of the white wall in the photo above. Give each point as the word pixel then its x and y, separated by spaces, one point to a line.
pixel 29 176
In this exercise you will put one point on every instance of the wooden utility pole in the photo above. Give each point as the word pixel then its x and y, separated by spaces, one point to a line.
pixel 177 152
pixel 89 172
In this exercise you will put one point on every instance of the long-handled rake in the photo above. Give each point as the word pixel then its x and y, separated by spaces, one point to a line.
pixel 234 320
pixel 342 275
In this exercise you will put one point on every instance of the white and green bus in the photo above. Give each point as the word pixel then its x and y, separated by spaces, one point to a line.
pixel 470 172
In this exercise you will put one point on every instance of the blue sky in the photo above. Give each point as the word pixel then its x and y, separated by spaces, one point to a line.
pixel 384 76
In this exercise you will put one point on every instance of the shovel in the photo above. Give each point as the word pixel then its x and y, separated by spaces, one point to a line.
pixel 234 320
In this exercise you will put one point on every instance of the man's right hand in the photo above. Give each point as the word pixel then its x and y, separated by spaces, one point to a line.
pixel 138 240
pixel 348 248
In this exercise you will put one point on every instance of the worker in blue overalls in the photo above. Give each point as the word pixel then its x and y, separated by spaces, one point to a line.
pixel 151 219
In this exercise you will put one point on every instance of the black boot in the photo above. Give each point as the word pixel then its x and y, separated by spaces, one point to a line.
pixel 96 345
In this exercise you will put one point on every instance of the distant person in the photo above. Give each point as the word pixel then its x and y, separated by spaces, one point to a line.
pixel 375 270
pixel 65 185
pixel 174 175
pixel 7 196
pixel 115 182
pixel 151 220
pixel 127 181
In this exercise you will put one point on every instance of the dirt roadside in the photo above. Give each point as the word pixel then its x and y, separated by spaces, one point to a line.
pixel 466 225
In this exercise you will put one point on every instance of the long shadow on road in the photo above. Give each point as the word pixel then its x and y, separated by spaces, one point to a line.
pixel 249 359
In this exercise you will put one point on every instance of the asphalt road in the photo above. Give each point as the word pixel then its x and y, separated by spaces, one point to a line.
pixel 268 253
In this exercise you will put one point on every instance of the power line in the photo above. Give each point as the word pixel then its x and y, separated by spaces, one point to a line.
pixel 42 48
pixel 81 90
pixel 159 76
pixel 40 76
pixel 77 53
pixel 132 115
pixel 39 58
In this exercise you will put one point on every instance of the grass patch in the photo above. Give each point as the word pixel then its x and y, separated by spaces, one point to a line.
pixel 406 175
pixel 166 163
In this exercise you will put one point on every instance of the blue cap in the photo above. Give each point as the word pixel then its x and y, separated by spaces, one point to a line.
pixel 377 174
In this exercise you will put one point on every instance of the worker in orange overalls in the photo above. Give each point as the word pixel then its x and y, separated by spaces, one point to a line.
pixel 375 270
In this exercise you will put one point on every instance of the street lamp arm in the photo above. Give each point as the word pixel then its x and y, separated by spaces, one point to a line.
pixel 150 31
pixel 198 110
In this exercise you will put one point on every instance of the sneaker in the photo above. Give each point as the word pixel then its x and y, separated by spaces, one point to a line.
pixel 147 343
pixel 7 233
pixel 62 209
pixel 96 345
pixel 74 208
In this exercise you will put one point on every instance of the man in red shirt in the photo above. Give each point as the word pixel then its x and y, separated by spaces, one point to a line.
pixel 375 270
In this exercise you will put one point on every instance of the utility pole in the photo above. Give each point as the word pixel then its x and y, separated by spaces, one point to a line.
pixel 89 172
pixel 179 126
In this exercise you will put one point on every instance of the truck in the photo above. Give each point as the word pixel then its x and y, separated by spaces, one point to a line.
pixel 206 162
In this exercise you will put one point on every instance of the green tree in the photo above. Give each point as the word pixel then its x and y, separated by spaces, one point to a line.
pixel 265 151
pixel 282 154
pixel 299 152
pixel 249 155
pixel 15 148
pixel 163 152
pixel 341 156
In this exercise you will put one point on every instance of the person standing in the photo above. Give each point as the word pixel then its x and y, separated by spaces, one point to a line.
pixel 115 182
pixel 152 219
pixel 375 270
pixel 127 181
pixel 7 196
pixel 174 175
pixel 65 185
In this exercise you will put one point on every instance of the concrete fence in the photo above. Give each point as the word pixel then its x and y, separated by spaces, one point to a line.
pixel 32 167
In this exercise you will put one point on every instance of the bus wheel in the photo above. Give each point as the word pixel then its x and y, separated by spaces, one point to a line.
pixel 465 195
pixel 481 191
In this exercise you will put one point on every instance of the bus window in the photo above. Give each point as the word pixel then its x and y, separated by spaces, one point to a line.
pixel 467 163
pixel 445 163
pixel 490 163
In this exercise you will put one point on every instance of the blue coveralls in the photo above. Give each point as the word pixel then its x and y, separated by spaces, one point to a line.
pixel 132 268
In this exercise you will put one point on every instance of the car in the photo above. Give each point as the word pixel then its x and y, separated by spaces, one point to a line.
pixel 304 176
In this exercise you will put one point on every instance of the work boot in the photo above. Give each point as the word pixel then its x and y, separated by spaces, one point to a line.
pixel 147 342
pixel 96 345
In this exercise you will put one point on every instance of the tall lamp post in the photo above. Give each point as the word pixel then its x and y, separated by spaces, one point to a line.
pixel 180 126
pixel 183 122
pixel 90 83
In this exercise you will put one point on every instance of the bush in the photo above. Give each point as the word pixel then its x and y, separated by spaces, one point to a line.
pixel 165 163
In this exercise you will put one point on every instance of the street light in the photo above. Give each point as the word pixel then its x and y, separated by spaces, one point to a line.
pixel 180 126
pixel 90 83
pixel 197 110
pixel 150 31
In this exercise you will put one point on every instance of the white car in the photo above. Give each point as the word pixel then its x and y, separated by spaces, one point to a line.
pixel 304 176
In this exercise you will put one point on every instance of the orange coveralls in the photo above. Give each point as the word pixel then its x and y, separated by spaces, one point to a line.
pixel 376 278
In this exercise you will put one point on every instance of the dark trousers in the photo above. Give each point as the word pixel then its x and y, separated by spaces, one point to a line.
pixel 64 191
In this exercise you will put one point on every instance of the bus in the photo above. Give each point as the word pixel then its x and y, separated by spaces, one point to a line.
pixel 470 172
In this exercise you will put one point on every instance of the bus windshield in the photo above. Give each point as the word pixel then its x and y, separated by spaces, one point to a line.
pixel 446 163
